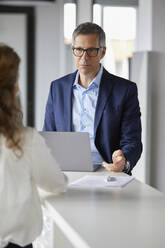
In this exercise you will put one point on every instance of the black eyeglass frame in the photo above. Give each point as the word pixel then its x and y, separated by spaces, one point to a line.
pixel 86 50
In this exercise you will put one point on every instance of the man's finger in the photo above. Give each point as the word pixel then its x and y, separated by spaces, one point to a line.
pixel 118 159
pixel 117 153
pixel 118 167
pixel 107 165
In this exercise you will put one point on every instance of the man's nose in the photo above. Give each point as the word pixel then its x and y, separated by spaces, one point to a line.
pixel 85 55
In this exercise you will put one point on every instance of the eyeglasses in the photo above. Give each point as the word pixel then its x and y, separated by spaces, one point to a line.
pixel 91 52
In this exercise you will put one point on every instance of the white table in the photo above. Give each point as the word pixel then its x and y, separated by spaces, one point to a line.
pixel 131 217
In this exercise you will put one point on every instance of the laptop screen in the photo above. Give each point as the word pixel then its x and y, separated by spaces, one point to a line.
pixel 71 150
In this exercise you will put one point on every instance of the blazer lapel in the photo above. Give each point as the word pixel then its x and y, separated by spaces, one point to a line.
pixel 68 91
pixel 104 92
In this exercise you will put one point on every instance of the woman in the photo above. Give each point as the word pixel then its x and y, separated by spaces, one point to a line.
pixel 25 162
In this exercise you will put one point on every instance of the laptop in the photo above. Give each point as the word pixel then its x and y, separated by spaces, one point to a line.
pixel 71 150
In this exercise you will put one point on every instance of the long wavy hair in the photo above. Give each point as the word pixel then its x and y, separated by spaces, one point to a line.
pixel 10 110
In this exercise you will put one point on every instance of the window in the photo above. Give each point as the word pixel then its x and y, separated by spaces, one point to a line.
pixel 97 14
pixel 119 24
pixel 69 21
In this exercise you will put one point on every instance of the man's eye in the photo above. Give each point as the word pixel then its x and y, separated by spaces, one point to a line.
pixel 91 49
pixel 79 49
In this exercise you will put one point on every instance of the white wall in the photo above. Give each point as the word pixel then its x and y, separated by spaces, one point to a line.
pixel 50 55
pixel 158 33
pixel 140 75
pixel 53 57
pixel 158 120
pixel 151 20
pixel 84 11
pixel 144 26
pixel 151 37
pixel 8 24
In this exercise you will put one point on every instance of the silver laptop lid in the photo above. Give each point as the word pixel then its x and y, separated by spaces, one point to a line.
pixel 71 150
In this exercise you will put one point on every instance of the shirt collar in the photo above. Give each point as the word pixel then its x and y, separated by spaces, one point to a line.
pixel 95 81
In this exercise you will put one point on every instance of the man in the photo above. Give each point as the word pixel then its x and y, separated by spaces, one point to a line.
pixel 95 101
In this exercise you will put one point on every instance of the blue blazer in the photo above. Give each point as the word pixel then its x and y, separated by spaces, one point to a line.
pixel 117 122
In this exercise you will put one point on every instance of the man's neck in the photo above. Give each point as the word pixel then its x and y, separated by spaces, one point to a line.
pixel 85 80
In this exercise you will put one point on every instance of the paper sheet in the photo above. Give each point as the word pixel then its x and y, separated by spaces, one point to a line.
pixel 97 181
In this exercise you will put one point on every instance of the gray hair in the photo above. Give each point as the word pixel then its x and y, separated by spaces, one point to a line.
pixel 90 28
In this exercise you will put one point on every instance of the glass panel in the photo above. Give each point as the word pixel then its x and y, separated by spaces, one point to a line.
pixel 119 24
pixel 97 15
pixel 69 21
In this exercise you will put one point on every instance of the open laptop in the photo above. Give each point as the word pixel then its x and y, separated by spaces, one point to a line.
pixel 71 150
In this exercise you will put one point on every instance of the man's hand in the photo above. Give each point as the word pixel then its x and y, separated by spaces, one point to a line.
pixel 118 162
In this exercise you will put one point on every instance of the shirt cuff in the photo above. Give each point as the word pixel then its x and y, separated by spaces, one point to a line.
pixel 127 166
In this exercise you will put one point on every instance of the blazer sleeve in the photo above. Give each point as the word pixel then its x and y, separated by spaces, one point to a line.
pixel 49 121
pixel 130 141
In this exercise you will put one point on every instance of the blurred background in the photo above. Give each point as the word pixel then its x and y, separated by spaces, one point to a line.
pixel 40 31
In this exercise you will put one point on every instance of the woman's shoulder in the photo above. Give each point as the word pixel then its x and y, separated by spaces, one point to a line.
pixel 30 135
pixel 27 131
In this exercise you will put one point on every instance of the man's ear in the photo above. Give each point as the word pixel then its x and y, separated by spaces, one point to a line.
pixel 103 52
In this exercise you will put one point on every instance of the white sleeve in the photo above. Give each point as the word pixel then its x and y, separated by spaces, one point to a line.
pixel 45 170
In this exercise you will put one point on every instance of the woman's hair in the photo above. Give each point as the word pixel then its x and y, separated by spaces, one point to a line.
pixel 10 111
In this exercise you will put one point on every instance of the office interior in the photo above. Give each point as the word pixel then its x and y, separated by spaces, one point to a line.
pixel 36 29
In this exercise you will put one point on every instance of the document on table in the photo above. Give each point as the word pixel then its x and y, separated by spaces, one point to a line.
pixel 99 181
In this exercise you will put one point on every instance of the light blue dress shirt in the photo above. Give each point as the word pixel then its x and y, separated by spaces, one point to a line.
pixel 83 110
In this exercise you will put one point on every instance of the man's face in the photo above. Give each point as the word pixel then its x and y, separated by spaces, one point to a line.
pixel 85 64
